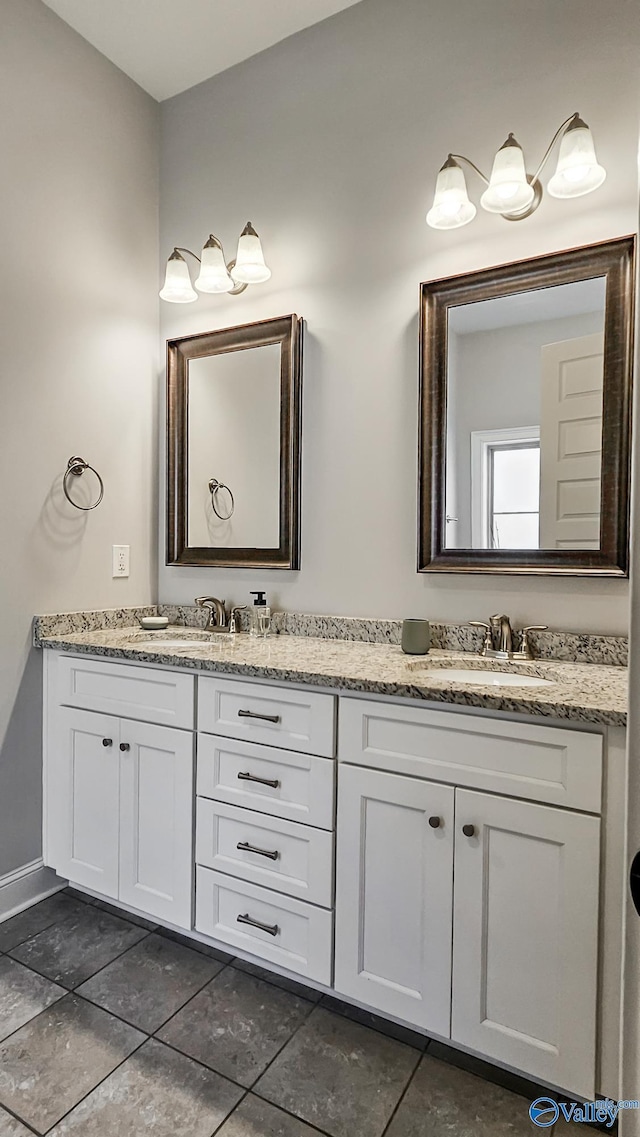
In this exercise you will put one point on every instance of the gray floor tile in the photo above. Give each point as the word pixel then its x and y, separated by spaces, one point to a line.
pixel 443 1100
pixel 188 941
pixel 279 980
pixel 73 950
pixel 9 1127
pixel 340 1076
pixel 150 982
pixel 49 1065
pixel 257 1118
pixel 236 1025
pixel 156 1091
pixel 23 995
pixel 33 920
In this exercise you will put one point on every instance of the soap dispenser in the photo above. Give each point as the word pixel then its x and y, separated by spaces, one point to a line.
pixel 260 615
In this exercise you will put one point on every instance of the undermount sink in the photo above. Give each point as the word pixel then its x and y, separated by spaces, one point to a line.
pixel 482 678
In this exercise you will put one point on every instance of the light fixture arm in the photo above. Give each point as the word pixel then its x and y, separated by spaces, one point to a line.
pixel 561 129
pixel 463 158
pixel 179 249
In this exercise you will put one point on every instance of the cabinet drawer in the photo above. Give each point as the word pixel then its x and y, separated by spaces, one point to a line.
pixel 543 763
pixel 298 787
pixel 295 935
pixel 293 858
pixel 145 693
pixel 277 716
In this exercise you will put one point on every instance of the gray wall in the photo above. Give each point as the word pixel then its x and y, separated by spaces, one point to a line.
pixel 78 327
pixel 329 142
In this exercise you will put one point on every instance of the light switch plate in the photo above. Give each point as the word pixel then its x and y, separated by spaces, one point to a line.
pixel 120 560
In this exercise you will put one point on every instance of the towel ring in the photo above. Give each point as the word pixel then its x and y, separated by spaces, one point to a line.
pixel 214 487
pixel 77 467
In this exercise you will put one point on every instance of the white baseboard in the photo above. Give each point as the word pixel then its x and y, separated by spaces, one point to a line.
pixel 25 886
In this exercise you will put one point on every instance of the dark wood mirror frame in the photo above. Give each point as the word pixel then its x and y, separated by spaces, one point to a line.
pixel 611 259
pixel 288 332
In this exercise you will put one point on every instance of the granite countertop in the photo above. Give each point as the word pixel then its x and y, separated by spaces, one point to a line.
pixel 586 693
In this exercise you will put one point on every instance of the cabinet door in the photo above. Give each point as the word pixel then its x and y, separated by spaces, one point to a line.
pixel 156 821
pixel 394 895
pixel 525 937
pixel 83 777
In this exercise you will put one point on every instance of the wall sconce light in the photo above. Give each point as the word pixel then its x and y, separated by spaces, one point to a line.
pixel 216 275
pixel 511 191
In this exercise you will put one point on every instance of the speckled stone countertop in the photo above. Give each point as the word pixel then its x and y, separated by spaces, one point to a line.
pixel 586 693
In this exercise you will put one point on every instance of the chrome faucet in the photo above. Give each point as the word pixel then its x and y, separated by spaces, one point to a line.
pixel 498 641
pixel 218 614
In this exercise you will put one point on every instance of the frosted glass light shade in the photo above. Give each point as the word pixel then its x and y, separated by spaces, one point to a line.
pixel 578 171
pixel 214 275
pixel 250 267
pixel 451 206
pixel 177 288
pixel 508 190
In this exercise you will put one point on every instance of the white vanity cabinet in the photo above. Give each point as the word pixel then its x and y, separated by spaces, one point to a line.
pixel 474 895
pixel 471 914
pixel 119 792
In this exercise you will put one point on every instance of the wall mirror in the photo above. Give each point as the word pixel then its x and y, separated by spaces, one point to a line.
pixel 233 422
pixel 525 408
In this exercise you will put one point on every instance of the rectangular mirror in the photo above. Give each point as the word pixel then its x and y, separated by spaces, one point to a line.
pixel 234 446
pixel 525 415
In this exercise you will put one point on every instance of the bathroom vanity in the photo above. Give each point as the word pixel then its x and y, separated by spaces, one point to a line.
pixel 439 854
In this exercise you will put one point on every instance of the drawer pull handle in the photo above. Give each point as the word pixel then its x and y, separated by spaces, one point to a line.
pixel 255 715
pixel 245 847
pixel 273 783
pixel 435 822
pixel 107 742
pixel 469 830
pixel 124 746
pixel 272 929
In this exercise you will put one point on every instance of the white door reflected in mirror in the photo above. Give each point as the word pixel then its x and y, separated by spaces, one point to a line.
pixel 234 439
pixel 524 419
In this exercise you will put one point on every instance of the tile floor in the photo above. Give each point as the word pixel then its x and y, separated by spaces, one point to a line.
pixel 110 1027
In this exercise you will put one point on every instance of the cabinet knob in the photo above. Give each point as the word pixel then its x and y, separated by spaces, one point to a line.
pixel 469 830
pixel 435 822
pixel 107 742
pixel 125 746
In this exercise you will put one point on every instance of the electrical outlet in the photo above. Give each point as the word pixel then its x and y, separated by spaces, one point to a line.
pixel 120 555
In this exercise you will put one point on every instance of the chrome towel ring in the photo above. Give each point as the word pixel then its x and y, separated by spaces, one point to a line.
pixel 214 488
pixel 77 467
